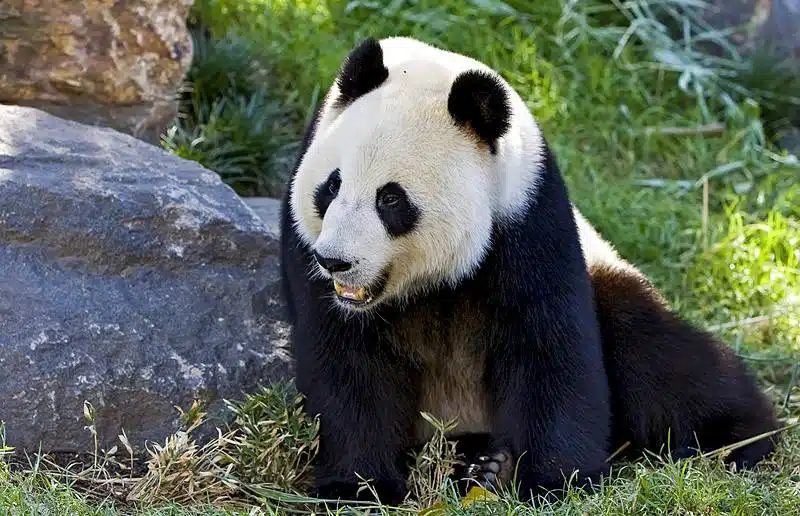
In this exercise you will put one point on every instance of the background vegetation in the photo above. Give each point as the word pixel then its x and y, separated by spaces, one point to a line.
pixel 668 140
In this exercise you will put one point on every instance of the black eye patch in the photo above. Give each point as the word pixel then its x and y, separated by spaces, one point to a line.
pixel 326 193
pixel 398 214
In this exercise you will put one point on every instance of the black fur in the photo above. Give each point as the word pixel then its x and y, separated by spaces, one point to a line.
pixel 548 393
pixel 675 388
pixel 397 212
pixel 327 192
pixel 477 100
pixel 362 71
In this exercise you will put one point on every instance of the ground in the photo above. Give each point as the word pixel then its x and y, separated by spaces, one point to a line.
pixel 669 151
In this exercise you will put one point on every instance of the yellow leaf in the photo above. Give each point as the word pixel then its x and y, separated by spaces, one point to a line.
pixel 474 494
pixel 477 493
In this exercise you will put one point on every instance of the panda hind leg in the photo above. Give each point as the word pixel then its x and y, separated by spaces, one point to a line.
pixel 706 396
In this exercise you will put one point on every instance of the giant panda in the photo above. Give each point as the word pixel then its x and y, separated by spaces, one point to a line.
pixel 432 261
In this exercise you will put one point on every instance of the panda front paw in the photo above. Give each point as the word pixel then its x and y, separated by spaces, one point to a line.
pixel 491 470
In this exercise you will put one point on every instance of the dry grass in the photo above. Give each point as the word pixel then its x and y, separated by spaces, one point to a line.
pixel 261 461
pixel 267 447
pixel 432 466
pixel 262 456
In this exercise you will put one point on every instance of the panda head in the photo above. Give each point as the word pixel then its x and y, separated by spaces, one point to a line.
pixel 416 152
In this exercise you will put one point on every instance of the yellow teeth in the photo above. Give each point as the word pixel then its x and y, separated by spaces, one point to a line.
pixel 359 294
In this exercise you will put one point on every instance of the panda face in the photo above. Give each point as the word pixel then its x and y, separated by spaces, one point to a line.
pixel 399 187
pixel 395 204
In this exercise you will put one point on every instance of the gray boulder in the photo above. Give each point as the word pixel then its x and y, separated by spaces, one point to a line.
pixel 129 278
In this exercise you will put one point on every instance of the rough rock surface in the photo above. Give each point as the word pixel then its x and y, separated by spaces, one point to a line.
pixel 130 278
pixel 771 22
pixel 268 210
pixel 116 64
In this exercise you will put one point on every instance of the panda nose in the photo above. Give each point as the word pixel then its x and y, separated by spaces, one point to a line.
pixel 332 264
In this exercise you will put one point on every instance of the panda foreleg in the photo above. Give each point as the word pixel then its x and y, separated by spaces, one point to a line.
pixel 550 405
pixel 364 409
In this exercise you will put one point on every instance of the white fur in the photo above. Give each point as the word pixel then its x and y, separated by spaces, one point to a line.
pixel 596 249
pixel 402 132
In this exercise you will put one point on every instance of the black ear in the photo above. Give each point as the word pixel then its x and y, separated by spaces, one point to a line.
pixel 477 100
pixel 362 71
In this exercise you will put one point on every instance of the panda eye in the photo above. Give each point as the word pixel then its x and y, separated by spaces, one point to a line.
pixel 396 210
pixel 389 199
pixel 326 192
pixel 334 182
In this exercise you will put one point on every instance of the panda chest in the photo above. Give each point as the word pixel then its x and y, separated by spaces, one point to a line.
pixel 450 354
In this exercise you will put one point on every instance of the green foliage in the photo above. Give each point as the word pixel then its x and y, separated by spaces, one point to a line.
pixel 241 138
pixel 433 465
pixel 230 121
pixel 753 270
pixel 276 440
pixel 267 447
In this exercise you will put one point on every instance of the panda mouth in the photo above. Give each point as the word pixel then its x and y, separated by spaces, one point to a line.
pixel 360 296
pixel 351 295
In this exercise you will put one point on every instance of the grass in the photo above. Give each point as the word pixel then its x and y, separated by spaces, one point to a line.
pixel 666 137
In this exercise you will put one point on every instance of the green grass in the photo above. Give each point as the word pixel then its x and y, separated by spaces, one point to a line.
pixel 186 478
pixel 712 216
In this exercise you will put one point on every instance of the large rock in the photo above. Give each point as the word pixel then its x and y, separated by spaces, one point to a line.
pixel 130 278
pixel 117 64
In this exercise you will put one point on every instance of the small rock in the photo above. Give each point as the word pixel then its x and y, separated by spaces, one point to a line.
pixel 129 278
pixel 773 23
pixel 790 140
